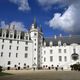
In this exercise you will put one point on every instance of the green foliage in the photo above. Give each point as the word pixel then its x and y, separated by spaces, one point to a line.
pixel 75 67
pixel 0 68
pixel 4 74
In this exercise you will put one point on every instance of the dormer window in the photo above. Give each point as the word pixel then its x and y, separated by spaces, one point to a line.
pixel 59 43
pixel 22 35
pixel 51 43
pixel 64 44
pixel 44 43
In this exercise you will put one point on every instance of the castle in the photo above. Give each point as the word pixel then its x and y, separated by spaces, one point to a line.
pixel 30 49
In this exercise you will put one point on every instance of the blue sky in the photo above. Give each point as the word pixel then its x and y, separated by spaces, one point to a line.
pixel 55 16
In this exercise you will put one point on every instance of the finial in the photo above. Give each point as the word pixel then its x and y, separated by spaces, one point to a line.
pixel 34 19
pixel 40 28
pixel 35 24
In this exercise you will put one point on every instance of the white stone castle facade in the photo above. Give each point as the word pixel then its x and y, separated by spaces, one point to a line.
pixel 30 49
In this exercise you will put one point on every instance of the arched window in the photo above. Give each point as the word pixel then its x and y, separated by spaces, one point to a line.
pixel 74 56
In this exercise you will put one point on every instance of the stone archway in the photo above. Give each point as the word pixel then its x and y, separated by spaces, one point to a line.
pixel 75 56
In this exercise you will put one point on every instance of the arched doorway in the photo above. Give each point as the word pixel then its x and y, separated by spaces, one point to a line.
pixel 8 68
pixel 19 68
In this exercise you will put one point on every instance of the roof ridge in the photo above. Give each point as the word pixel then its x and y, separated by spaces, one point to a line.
pixel 64 36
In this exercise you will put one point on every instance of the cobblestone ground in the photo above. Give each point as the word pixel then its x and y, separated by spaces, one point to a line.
pixel 42 75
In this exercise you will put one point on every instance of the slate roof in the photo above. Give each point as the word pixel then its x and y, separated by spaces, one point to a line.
pixel 64 39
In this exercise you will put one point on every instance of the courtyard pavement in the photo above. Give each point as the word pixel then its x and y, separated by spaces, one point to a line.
pixel 41 75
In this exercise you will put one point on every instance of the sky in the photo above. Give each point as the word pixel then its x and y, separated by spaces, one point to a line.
pixel 55 16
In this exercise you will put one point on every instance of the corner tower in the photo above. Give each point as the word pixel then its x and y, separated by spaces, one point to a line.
pixel 37 37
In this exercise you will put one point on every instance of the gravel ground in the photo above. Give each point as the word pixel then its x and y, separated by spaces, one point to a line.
pixel 41 75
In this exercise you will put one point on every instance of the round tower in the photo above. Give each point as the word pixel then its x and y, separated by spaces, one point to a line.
pixel 36 36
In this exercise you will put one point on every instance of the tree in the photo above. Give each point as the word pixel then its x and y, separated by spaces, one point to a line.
pixel 75 67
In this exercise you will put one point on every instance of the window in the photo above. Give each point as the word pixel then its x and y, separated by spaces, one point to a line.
pixel 26 37
pixel 65 58
pixel 3 40
pixel 64 44
pixel 15 66
pixel 64 50
pixel 44 52
pixel 9 62
pixel 51 58
pixel 9 54
pixel 34 49
pixel 34 58
pixel 17 42
pixel 2 46
pixel 34 39
pixel 11 35
pixel 26 42
pixel 35 34
pixel 26 55
pixel 59 50
pixel 51 51
pixel 10 47
pixel 17 48
pixel 60 58
pixel 10 41
pixel 26 48
pixel 16 55
pixel 24 64
pixel 18 63
pixel 3 35
pixel 35 44
pixel 44 59
pixel 18 36
pixel 1 54
pixel 75 56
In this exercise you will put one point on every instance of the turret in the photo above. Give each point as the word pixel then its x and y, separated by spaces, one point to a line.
pixel 36 37
pixel 34 25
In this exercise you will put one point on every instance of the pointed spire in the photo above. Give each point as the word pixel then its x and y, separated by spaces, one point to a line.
pixel 40 28
pixel 35 24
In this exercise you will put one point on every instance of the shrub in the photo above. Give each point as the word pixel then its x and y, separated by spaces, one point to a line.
pixel 75 67
pixel 0 68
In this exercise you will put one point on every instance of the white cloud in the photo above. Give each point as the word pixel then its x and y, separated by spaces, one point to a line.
pixel 66 21
pixel 48 3
pixel 2 24
pixel 18 25
pixel 70 20
pixel 51 2
pixel 23 5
